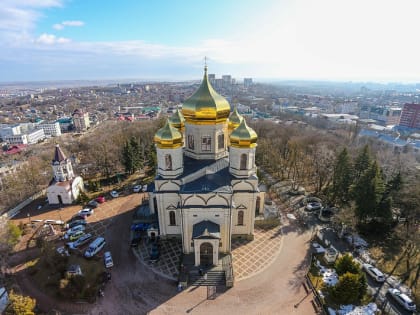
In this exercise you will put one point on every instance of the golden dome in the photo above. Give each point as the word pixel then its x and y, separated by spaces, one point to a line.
pixel 243 136
pixel 177 120
pixel 168 137
pixel 235 119
pixel 205 106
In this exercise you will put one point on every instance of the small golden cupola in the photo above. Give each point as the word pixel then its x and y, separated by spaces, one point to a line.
pixel 168 137
pixel 235 120
pixel 205 106
pixel 243 136
pixel 177 120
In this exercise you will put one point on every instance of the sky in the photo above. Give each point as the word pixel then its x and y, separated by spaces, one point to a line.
pixel 337 40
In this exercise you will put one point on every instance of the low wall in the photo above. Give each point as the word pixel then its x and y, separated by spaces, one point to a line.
pixel 12 212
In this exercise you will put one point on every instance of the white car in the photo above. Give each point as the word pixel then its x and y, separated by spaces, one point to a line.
pixel 144 188
pixel 86 211
pixel 137 188
pixel 375 273
pixel 73 230
pixel 114 194
pixel 402 299
pixel 108 260
pixel 318 249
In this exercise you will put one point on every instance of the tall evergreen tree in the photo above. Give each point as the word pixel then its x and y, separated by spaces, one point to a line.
pixel 342 178
pixel 362 162
pixel 132 155
pixel 368 192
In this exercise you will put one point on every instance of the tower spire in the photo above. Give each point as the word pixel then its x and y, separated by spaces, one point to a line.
pixel 205 64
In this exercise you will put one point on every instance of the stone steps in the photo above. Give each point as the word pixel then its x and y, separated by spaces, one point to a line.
pixel 214 278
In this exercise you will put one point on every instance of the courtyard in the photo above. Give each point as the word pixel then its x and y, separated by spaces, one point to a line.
pixel 268 271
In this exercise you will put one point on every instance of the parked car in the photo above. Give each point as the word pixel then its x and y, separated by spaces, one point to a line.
pixel 73 230
pixel 76 235
pixel 375 273
pixel 318 249
pixel 100 199
pixel 154 252
pixel 95 247
pixel 92 204
pixel 82 240
pixel 402 299
pixel 114 194
pixel 108 260
pixel 74 223
pixel 137 188
pixel 312 206
pixel 86 211
pixel 77 217
pixel 144 188
pixel 62 251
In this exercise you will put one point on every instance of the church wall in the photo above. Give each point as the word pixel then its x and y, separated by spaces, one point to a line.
pixel 235 161
pixel 170 162
pixel 168 202
pixel 194 146
pixel 244 202
pixel 54 190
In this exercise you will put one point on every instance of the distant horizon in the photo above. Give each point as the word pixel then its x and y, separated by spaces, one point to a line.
pixel 327 40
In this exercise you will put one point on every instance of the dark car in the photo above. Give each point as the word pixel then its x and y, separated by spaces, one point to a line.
pixel 74 223
pixel 93 204
pixel 154 252
pixel 78 216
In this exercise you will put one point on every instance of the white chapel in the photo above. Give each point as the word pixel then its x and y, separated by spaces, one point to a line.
pixel 206 187
pixel 65 186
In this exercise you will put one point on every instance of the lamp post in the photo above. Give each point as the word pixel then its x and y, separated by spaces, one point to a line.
pixel 29 218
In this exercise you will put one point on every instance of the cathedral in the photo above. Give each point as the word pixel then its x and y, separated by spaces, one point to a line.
pixel 65 187
pixel 206 188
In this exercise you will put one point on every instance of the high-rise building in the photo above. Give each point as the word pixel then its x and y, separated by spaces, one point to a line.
pixel 410 116
pixel 81 120
pixel 247 82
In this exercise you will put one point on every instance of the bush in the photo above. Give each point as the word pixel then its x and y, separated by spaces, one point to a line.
pixel 267 224
pixel 14 233
pixel 350 289
pixel 346 264
pixel 20 305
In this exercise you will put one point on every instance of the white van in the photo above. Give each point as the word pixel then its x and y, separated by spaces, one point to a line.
pixel 95 247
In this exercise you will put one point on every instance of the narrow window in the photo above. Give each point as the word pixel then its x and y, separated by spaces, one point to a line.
pixel 206 143
pixel 240 217
pixel 168 162
pixel 257 206
pixel 243 161
pixel 172 220
pixel 191 142
pixel 221 141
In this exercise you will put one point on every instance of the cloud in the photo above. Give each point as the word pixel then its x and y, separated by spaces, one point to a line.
pixel 63 24
pixel 50 39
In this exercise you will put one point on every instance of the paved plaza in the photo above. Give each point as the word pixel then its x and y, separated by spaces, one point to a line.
pixel 248 257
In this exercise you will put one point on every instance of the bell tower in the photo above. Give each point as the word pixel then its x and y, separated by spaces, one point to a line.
pixel 62 167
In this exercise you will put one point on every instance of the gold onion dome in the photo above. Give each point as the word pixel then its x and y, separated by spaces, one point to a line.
pixel 235 119
pixel 243 136
pixel 168 137
pixel 205 106
pixel 177 120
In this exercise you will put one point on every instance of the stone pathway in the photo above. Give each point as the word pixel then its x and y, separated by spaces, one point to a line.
pixel 252 257
pixel 249 257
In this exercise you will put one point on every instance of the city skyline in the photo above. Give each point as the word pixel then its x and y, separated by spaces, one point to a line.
pixel 304 40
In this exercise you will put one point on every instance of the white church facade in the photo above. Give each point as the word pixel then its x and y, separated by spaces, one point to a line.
pixel 206 187
pixel 65 187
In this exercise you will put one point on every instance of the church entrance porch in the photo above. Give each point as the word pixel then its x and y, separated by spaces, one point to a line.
pixel 206 254
pixel 206 238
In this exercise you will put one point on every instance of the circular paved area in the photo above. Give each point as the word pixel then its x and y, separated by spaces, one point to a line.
pixel 249 257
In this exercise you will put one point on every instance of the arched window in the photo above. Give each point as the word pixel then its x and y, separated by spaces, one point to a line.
pixel 244 161
pixel 168 162
pixel 257 206
pixel 240 217
pixel 172 220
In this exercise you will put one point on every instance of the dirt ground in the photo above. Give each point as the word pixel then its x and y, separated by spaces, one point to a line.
pixel 134 289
